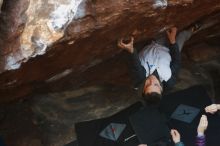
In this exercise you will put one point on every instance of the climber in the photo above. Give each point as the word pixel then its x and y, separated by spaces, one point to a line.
pixel 156 66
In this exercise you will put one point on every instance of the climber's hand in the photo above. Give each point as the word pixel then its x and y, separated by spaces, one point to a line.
pixel 126 46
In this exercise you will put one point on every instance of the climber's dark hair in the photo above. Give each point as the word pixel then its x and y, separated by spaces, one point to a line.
pixel 152 98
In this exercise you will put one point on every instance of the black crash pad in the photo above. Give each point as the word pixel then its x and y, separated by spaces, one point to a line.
pixel 88 131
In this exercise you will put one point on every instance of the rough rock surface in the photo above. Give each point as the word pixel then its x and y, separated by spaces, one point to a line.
pixel 45 45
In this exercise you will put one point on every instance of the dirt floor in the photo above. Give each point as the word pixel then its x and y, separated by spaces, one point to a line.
pixel 48 120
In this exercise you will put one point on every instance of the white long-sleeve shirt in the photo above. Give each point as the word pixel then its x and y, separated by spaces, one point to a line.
pixel 156 57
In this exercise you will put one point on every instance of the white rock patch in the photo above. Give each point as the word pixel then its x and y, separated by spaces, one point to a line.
pixel 160 4
pixel 47 21
pixel 59 76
